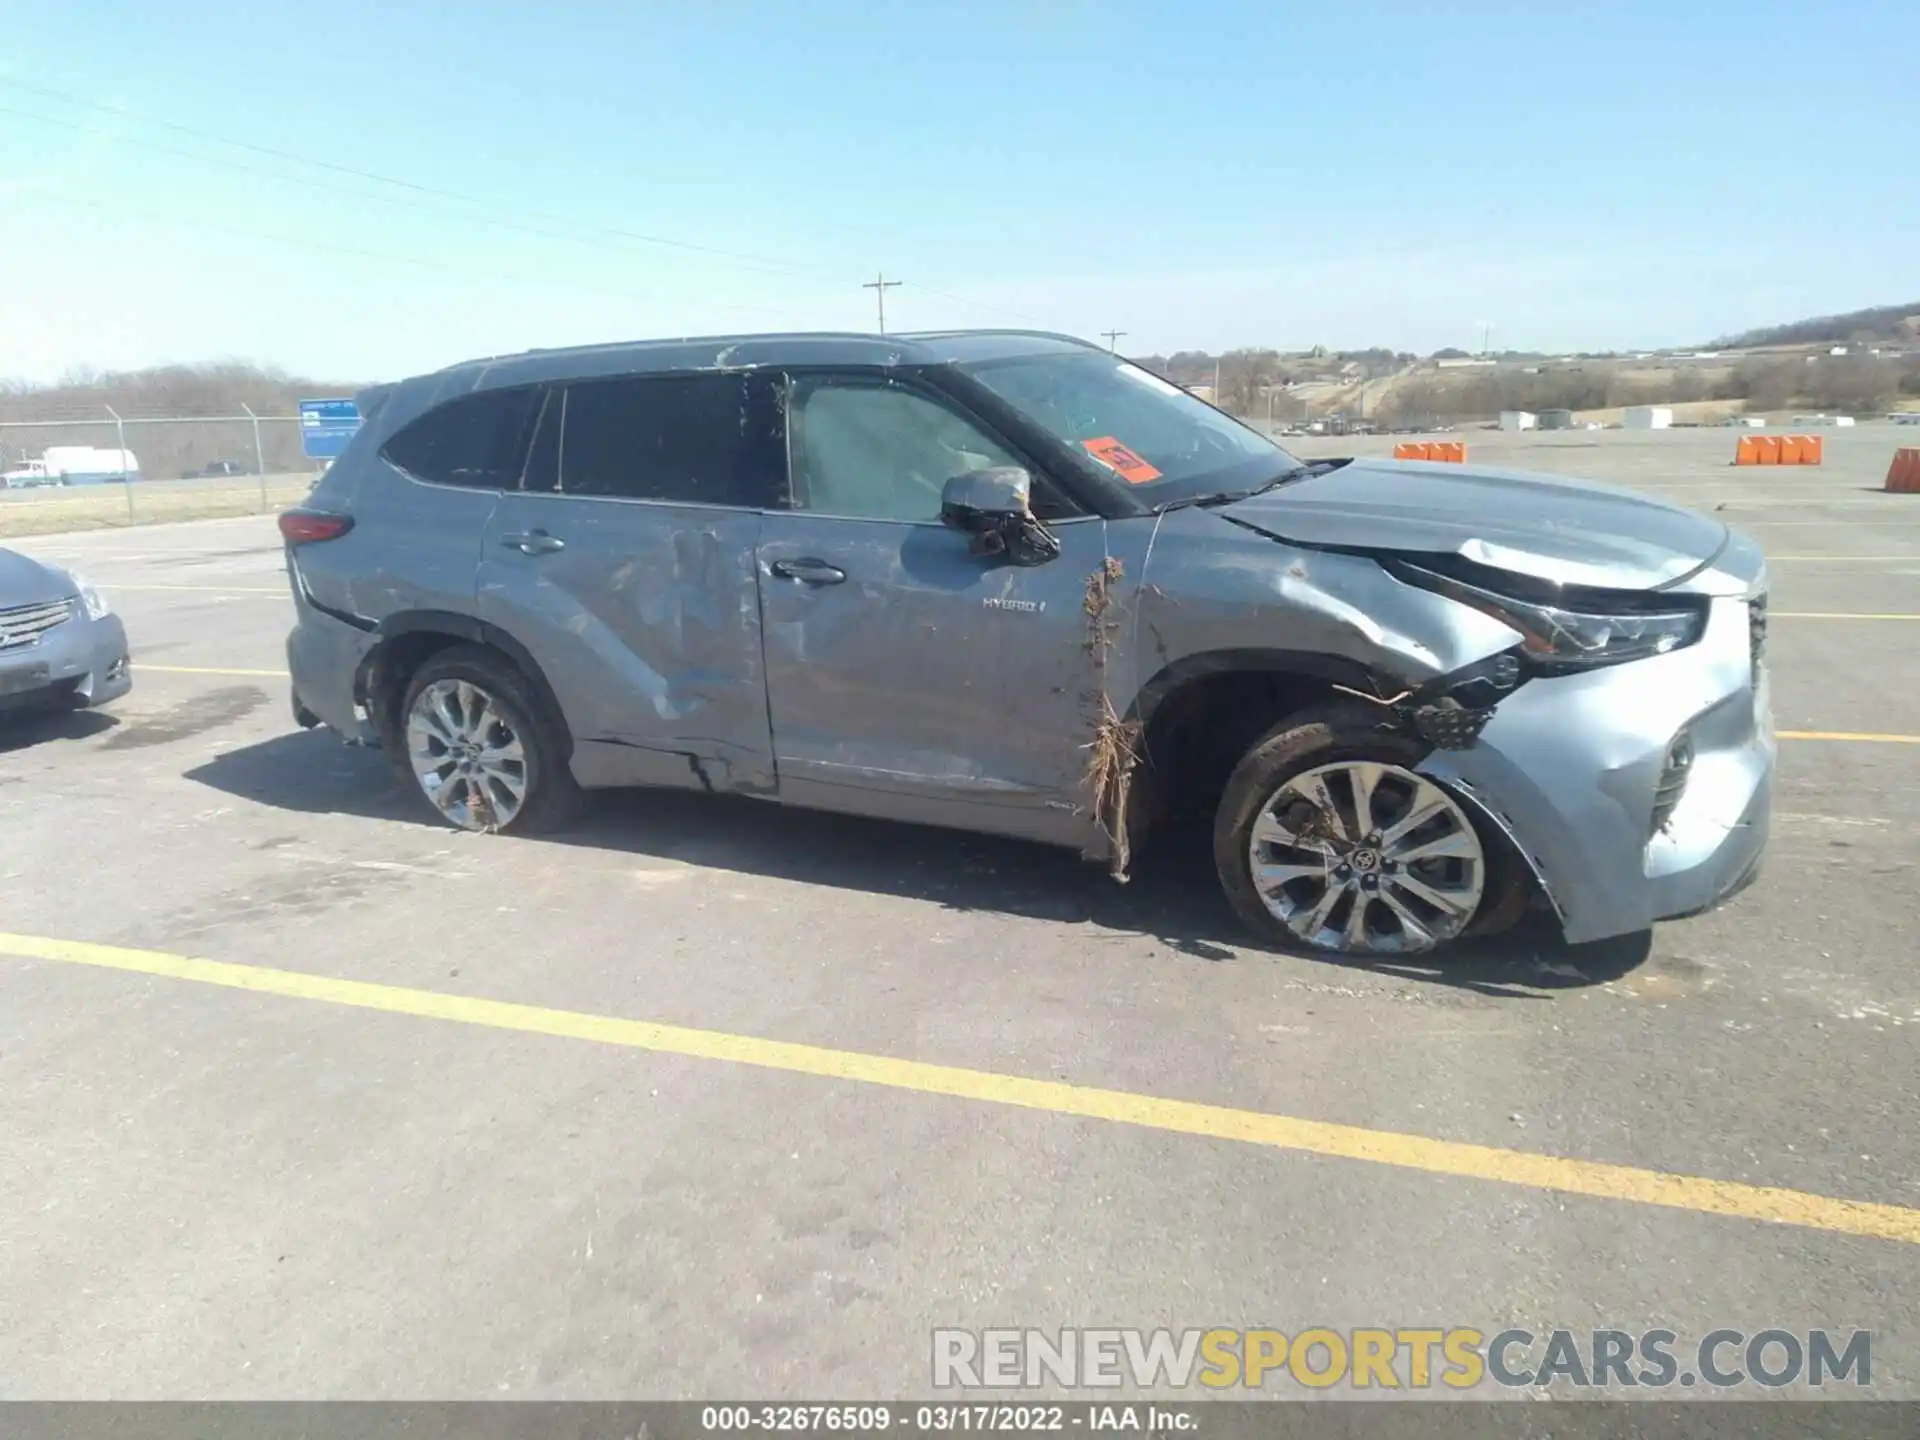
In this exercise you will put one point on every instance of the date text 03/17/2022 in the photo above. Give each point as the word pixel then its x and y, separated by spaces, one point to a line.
pixel 944 1419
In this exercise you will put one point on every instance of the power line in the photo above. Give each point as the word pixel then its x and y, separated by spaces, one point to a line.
pixel 404 202
pixel 971 304
pixel 767 264
pixel 438 266
pixel 379 179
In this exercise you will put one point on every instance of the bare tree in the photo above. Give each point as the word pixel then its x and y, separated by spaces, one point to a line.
pixel 1244 377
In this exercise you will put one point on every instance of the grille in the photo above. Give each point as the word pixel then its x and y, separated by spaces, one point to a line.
pixel 23 625
pixel 1757 632
pixel 1673 780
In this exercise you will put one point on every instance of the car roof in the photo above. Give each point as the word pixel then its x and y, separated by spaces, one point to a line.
pixel 728 352
pixel 385 407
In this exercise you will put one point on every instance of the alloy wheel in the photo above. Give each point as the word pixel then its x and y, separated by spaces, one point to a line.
pixel 466 754
pixel 1367 858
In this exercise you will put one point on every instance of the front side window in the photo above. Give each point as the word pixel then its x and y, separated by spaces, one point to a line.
pixel 691 439
pixel 477 441
pixel 875 451
pixel 1126 426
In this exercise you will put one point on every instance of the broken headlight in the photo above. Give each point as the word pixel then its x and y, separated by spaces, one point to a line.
pixel 1578 630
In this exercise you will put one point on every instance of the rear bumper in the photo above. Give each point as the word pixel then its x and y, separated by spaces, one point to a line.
pixel 324 657
pixel 1569 767
pixel 77 664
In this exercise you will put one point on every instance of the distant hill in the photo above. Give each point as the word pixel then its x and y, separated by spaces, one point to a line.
pixel 1882 322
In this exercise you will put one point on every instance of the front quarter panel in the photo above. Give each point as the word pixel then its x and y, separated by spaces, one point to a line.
pixel 1214 586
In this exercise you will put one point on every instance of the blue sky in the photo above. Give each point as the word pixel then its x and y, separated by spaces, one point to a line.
pixel 1199 176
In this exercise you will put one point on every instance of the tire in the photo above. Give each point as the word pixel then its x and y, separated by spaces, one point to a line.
pixel 549 796
pixel 1338 735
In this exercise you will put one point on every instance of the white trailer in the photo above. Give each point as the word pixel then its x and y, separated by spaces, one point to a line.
pixel 1518 420
pixel 89 464
pixel 1646 417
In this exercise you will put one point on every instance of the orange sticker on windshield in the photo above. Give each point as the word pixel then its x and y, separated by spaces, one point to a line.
pixel 1119 459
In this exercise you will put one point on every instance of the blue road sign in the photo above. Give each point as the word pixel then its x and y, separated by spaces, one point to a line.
pixel 326 426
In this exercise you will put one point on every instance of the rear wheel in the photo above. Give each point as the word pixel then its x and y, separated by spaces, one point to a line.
pixel 1328 837
pixel 478 747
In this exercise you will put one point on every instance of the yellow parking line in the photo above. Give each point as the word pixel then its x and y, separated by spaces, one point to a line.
pixel 1866 736
pixel 279 590
pixel 1183 1117
pixel 1832 615
pixel 1874 521
pixel 1877 559
pixel 142 669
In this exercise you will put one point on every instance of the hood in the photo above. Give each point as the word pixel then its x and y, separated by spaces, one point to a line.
pixel 28 582
pixel 1566 532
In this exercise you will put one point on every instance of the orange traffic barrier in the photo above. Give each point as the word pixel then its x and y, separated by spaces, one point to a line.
pixel 1453 452
pixel 1903 476
pixel 1779 450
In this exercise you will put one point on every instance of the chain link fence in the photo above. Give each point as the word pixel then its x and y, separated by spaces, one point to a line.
pixel 84 470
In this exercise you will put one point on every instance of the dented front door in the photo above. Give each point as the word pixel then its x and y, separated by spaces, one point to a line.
pixel 909 678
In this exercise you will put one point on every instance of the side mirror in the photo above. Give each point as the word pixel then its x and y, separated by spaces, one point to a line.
pixel 993 509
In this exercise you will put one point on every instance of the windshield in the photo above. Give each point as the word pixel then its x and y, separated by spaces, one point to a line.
pixel 1132 427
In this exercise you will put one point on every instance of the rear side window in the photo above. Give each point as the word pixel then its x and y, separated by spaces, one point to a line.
pixel 696 439
pixel 478 441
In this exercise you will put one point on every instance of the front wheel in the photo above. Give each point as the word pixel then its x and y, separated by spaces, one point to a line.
pixel 1328 837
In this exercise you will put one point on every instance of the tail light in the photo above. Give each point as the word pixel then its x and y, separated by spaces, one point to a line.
pixel 306 527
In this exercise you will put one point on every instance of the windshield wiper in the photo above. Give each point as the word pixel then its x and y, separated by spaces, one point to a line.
pixel 1227 497
pixel 1217 497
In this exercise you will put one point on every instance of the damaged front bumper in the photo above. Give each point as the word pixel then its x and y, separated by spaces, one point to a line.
pixel 1638 792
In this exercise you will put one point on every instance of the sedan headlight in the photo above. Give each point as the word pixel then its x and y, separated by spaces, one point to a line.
pixel 1586 629
pixel 91 600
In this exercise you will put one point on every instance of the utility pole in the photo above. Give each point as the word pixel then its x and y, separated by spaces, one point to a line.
pixel 1486 338
pixel 880 285
pixel 1113 339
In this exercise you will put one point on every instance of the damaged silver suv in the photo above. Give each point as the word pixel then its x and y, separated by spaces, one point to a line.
pixel 1007 582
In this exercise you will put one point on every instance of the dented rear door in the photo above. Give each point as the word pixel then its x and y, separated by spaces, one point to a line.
pixel 625 566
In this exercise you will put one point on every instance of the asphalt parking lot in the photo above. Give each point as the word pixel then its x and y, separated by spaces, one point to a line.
pixel 220 1183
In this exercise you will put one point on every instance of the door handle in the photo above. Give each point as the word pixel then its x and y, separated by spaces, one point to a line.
pixel 533 542
pixel 809 571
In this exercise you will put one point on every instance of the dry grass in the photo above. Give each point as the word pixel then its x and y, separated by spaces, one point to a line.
pixel 1114 751
pixel 105 507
